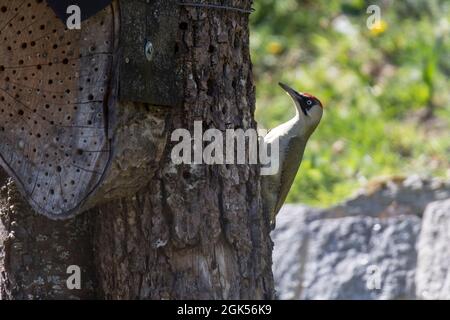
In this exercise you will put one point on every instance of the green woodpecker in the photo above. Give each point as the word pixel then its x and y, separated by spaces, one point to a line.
pixel 291 138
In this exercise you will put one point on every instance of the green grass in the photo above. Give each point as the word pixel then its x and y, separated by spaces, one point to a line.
pixel 374 86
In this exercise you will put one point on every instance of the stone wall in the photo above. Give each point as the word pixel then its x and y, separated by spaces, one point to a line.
pixel 388 242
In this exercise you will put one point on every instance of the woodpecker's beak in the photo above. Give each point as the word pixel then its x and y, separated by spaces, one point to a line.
pixel 296 96
pixel 288 89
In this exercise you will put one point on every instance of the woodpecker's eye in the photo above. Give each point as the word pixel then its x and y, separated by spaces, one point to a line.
pixel 309 102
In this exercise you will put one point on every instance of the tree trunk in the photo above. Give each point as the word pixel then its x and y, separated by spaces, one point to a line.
pixel 194 232
pixel 35 252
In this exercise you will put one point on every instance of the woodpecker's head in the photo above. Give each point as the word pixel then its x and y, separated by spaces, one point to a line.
pixel 309 108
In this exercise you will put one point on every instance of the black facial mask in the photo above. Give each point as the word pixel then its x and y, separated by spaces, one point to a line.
pixel 88 7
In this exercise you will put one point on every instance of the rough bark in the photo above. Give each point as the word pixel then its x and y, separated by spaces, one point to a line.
pixel 35 252
pixel 195 231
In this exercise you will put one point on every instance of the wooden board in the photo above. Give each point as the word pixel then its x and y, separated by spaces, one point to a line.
pixel 156 81
pixel 55 93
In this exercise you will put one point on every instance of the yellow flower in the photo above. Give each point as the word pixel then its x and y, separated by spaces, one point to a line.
pixel 274 48
pixel 378 28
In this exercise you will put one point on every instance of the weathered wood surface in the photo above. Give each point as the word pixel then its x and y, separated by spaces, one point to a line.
pixel 150 77
pixel 55 92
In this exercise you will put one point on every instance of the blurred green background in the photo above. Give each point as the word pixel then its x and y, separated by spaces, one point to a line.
pixel 386 89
